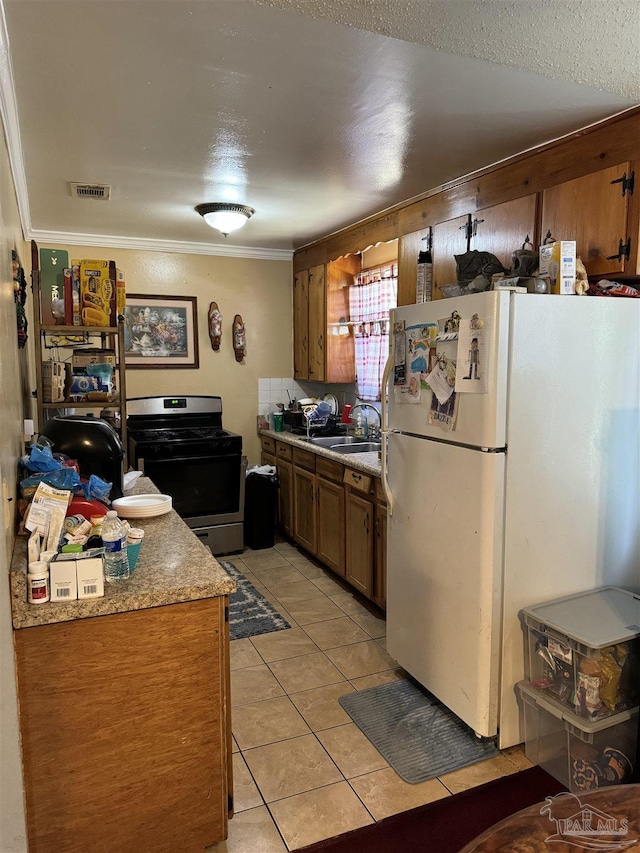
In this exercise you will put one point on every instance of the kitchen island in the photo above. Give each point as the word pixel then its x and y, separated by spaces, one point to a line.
pixel 124 703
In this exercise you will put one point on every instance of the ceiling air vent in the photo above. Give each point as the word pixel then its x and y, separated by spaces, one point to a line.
pixel 101 192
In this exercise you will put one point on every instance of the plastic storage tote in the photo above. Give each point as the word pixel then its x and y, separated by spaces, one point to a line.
pixel 584 651
pixel 581 755
pixel 260 510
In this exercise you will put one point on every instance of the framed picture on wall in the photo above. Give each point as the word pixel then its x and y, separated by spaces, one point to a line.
pixel 160 331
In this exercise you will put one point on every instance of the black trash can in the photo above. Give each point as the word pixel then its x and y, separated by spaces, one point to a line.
pixel 260 510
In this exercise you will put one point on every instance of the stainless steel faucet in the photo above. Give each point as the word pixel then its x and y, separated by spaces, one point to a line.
pixel 374 429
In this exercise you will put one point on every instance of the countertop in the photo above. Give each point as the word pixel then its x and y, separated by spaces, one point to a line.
pixel 174 566
pixel 369 463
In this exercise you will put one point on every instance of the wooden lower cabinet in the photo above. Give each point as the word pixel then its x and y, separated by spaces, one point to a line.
pixel 331 524
pixel 285 496
pixel 380 574
pixel 360 520
pixel 305 508
pixel 125 729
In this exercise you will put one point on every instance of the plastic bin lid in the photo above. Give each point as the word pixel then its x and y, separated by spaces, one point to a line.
pixel 561 712
pixel 597 618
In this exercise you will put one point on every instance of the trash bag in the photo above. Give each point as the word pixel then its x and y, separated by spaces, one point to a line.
pixel 473 264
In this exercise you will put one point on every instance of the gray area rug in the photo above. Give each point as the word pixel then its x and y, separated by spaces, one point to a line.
pixel 249 612
pixel 417 735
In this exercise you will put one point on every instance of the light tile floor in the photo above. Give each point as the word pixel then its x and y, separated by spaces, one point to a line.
pixel 303 771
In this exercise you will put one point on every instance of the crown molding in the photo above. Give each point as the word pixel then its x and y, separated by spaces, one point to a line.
pixel 150 245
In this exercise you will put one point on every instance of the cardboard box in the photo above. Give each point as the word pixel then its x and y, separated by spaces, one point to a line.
pixel 82 358
pixel 75 294
pixel 63 580
pixel 558 261
pixel 52 265
pixel 53 381
pixel 98 292
pixel 121 295
pixel 90 577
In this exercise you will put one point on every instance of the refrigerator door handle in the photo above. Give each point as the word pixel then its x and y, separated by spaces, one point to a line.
pixel 388 368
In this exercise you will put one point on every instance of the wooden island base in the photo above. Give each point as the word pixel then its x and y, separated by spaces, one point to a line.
pixel 124 723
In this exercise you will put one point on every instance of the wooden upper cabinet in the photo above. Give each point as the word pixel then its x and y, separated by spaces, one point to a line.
pixel 317 323
pixel 592 210
pixel 341 357
pixel 449 238
pixel 301 325
pixel 504 227
pixel 409 247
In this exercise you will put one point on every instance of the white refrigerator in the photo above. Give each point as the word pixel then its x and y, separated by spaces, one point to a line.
pixel 522 489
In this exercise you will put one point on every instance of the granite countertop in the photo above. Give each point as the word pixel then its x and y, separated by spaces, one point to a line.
pixel 174 566
pixel 368 463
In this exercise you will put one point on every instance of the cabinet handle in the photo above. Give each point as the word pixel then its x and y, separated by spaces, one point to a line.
pixel 627 183
pixel 320 342
pixel 624 251
pixel 366 522
pixel 356 477
pixel 311 491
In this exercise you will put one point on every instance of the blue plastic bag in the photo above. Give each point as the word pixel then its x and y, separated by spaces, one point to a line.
pixel 41 459
pixel 96 489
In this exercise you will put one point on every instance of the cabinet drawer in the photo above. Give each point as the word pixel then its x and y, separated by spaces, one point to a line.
pixel 380 495
pixel 329 469
pixel 361 482
pixel 268 444
pixel 283 451
pixel 304 459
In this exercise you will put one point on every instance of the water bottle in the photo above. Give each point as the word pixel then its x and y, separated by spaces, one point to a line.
pixel 114 538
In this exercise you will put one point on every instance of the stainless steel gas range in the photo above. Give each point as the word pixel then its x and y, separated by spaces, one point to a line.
pixel 179 443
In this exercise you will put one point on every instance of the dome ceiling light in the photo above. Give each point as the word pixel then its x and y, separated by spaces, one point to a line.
pixel 225 216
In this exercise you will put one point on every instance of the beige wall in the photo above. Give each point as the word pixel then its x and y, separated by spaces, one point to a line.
pixel 12 828
pixel 259 290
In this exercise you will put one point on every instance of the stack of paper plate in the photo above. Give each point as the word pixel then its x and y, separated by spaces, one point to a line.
pixel 142 506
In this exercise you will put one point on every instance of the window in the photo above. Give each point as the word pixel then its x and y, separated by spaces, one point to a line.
pixel 373 295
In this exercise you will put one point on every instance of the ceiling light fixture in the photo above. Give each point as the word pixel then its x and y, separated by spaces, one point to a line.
pixel 225 216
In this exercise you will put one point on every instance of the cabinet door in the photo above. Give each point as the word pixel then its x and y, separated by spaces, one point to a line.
pixel 301 325
pixel 331 524
pixel 449 239
pixel 593 212
pixel 505 227
pixel 340 363
pixel 380 574
pixel 359 533
pixel 409 247
pixel 317 323
pixel 304 508
pixel 285 496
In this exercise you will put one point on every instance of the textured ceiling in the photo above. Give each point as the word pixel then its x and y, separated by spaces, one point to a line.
pixel 317 114
pixel 592 42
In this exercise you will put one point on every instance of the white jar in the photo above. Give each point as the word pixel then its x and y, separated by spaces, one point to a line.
pixel 38 583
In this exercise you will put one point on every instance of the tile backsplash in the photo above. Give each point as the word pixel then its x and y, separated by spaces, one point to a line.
pixel 274 391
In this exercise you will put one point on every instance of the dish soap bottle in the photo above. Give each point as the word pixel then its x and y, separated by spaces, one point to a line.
pixel 359 430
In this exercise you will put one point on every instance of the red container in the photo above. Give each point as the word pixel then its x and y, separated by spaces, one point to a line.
pixel 346 415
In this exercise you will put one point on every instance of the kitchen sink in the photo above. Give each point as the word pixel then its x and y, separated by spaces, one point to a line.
pixel 358 447
pixel 345 443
